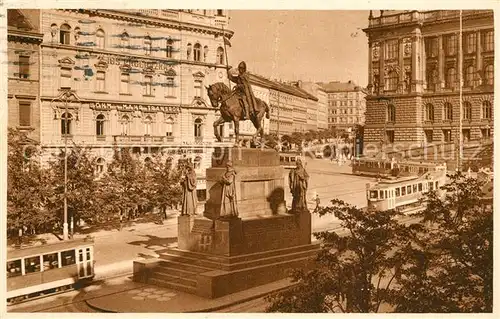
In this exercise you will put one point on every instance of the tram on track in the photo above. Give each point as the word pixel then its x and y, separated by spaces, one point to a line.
pixel 48 269
pixel 385 168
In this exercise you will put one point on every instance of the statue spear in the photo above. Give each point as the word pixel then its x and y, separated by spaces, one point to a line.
pixel 226 42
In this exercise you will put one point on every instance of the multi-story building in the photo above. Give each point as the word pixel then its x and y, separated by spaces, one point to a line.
pixel 135 79
pixel 23 53
pixel 414 77
pixel 317 116
pixel 346 104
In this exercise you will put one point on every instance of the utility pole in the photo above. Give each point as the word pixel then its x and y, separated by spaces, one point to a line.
pixel 460 75
pixel 275 62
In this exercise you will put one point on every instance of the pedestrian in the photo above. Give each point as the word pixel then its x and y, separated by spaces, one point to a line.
pixel 317 201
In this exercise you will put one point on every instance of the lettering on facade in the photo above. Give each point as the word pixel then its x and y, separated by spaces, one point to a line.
pixel 134 107
pixel 134 62
pixel 181 151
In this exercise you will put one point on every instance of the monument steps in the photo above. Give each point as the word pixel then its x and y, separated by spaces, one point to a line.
pixel 182 266
pixel 172 285
pixel 166 267
pixel 168 277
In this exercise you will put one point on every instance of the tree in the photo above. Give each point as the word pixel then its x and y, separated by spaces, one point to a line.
pixel 352 273
pixel 271 140
pixel 450 267
pixel 166 189
pixel 297 138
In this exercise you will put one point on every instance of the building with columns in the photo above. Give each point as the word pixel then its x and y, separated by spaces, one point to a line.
pixel 346 104
pixel 23 55
pixel 414 78
pixel 132 78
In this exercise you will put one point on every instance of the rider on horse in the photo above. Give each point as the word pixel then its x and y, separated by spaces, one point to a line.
pixel 244 90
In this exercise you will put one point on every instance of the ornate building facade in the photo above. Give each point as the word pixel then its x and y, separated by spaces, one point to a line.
pixel 346 104
pixel 414 77
pixel 133 78
pixel 318 112
pixel 23 56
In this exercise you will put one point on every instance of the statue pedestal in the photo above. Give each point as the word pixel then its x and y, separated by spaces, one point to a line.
pixel 218 256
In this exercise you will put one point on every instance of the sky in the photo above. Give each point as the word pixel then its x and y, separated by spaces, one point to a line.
pixel 307 45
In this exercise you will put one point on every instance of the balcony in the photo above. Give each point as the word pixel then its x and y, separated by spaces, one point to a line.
pixel 423 16
pixel 142 139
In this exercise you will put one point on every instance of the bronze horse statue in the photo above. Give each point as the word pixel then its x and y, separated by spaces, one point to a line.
pixel 231 110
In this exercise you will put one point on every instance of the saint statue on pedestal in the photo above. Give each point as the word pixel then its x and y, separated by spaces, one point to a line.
pixel 228 203
pixel 298 181
pixel 189 199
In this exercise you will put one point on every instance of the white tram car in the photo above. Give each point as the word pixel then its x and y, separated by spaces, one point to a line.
pixel 403 193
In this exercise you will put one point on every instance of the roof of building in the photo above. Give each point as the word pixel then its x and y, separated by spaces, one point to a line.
pixel 337 86
pixel 282 87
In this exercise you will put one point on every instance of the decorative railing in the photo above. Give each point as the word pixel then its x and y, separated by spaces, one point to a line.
pixel 422 16
pixel 142 139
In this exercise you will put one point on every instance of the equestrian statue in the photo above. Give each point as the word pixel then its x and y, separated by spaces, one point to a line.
pixel 238 104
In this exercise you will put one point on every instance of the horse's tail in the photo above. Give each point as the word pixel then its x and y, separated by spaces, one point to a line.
pixel 267 111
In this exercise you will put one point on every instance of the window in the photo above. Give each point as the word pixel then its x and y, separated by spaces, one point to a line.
pixel 205 53
pixel 100 165
pixel 389 136
pixel 147 126
pixel 471 42
pixel 220 12
pixel 124 42
pixel 429 112
pixel 428 136
pixel 220 55
pixel 65 78
pixel 392 49
pixel 447 112
pixel 488 74
pixel 66 124
pixel 14 268
pixel 197 52
pixel 147 45
pixel 403 191
pixel 465 135
pixel 408 189
pixel 469 76
pixel 197 162
pixel 485 133
pixel 447 135
pixel 392 81
pixel 451 44
pixel 99 125
pixel 24 113
pixel 170 48
pixel 489 44
pixel 391 113
pixel 68 258
pixel 148 83
pixel 99 37
pixel 431 79
pixel 125 83
pixel 24 67
pixel 486 110
pixel 189 50
pixel 169 82
pixel 32 264
pixel 431 46
pixel 50 261
pixel 101 79
pixel 125 125
pixel 64 34
pixel 197 88
pixel 397 192
pixel 198 123
pixel 467 111
pixel 451 76
pixel 169 127
pixel 419 187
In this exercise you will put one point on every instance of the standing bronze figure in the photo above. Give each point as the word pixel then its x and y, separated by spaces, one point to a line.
pixel 189 199
pixel 298 181
pixel 228 203
pixel 243 90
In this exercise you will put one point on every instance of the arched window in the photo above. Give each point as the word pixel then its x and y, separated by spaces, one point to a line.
pixel 99 125
pixel 197 52
pixel 487 110
pixel 447 112
pixel 205 53
pixel 147 45
pixel 469 76
pixel 148 125
pixel 220 55
pixel 169 127
pixel 170 48
pixel 169 86
pixel 391 113
pixel 66 119
pixel 189 50
pixel 451 76
pixel 76 33
pixel 100 38
pixel 125 125
pixel 467 110
pixel 100 164
pixel 198 125
pixel 64 34
pixel 488 74
pixel 392 81
pixel 429 112
pixel 197 162
pixel 124 41
pixel 220 12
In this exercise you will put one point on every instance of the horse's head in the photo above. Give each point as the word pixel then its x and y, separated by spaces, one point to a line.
pixel 213 95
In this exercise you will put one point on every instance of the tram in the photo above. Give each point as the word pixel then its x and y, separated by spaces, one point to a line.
pixel 288 160
pixel 404 193
pixel 385 168
pixel 47 269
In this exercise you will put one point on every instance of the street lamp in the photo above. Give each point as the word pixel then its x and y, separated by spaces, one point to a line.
pixel 64 97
